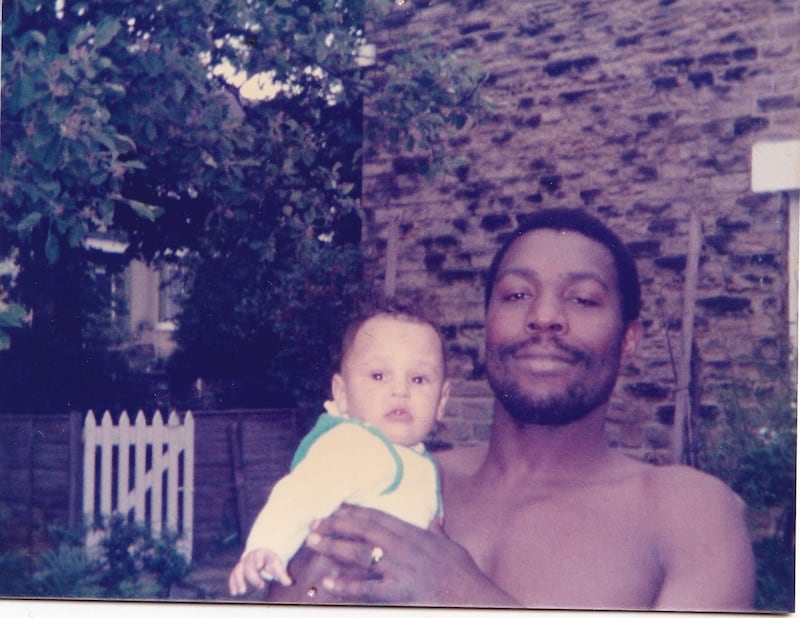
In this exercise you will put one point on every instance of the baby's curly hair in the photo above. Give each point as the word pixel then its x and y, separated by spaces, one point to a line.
pixel 393 307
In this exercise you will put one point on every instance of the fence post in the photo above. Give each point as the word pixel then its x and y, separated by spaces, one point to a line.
pixel 156 474
pixel 107 439
pixel 140 453
pixel 188 484
pixel 176 441
pixel 123 466
pixel 89 445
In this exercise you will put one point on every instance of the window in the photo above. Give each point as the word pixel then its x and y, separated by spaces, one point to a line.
pixel 170 291
pixel 776 168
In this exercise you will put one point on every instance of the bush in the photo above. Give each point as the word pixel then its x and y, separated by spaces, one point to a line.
pixel 774 576
pixel 752 447
pixel 128 563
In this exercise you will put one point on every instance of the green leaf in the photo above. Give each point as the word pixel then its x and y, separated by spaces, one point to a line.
pixel 107 141
pixel 12 316
pixel 127 141
pixel 180 90
pixel 37 36
pixel 48 155
pixel 153 64
pixel 146 211
pixel 26 91
pixel 28 223
pixel 98 178
pixel 76 234
pixel 150 131
pixel 117 88
pixel 51 249
pixel 106 31
pixel 80 35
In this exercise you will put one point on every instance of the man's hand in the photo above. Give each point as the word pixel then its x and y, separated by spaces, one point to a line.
pixel 254 568
pixel 411 566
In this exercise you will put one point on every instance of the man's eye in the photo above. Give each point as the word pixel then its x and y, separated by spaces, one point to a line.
pixel 585 301
pixel 515 296
pixel 377 376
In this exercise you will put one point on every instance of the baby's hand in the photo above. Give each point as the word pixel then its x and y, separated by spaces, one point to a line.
pixel 255 567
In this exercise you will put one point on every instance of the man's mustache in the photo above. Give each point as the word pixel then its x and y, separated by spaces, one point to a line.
pixel 572 354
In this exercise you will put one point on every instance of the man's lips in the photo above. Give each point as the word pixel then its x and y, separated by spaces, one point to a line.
pixel 552 355
pixel 543 363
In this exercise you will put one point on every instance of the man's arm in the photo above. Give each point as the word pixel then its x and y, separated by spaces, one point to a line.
pixel 703 542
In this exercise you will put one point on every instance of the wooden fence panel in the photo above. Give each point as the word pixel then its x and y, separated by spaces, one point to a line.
pixel 227 495
pixel 38 488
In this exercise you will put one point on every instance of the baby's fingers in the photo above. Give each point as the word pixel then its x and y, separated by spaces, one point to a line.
pixel 236 581
pixel 253 575
pixel 279 572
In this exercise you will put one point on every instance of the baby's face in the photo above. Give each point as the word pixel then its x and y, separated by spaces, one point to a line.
pixel 393 378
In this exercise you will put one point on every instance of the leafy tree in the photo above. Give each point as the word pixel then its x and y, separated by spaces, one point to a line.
pixel 117 121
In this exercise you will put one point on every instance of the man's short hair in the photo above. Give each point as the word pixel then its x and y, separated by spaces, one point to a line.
pixel 576 220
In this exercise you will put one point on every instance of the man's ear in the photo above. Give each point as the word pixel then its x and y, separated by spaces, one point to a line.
pixel 443 400
pixel 631 338
pixel 339 392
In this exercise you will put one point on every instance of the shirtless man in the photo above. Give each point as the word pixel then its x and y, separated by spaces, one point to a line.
pixel 547 515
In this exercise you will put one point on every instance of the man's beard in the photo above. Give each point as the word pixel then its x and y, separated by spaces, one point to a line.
pixel 576 402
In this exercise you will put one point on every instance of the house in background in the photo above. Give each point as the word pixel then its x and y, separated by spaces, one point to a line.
pixel 145 300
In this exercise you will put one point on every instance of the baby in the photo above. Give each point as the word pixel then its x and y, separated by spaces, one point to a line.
pixel 366 449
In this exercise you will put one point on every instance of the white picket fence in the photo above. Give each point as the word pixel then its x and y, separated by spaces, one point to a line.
pixel 141 471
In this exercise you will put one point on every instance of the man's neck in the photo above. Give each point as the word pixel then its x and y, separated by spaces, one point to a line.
pixel 551 453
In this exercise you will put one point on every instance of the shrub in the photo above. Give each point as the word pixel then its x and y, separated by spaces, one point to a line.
pixel 128 563
pixel 752 447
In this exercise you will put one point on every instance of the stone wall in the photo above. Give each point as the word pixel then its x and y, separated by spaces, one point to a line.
pixel 638 111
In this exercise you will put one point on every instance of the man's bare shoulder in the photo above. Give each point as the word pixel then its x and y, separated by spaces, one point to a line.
pixel 461 461
pixel 701 535
pixel 682 486
pixel 678 491
pixel 692 507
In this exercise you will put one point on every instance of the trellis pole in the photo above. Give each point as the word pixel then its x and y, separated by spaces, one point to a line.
pixel 683 404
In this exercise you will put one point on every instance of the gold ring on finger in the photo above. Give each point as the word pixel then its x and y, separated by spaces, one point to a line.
pixel 376 555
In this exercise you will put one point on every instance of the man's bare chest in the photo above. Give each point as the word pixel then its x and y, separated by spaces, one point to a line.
pixel 583 547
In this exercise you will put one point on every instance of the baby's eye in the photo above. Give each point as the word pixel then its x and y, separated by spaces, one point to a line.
pixel 419 379
pixel 377 376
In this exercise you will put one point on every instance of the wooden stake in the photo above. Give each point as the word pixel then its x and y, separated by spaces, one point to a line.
pixel 239 484
pixel 683 411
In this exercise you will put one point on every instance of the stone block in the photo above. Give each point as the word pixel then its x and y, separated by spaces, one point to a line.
pixel 657 436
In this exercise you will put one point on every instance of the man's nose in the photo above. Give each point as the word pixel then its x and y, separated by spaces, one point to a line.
pixel 546 313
